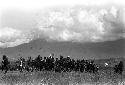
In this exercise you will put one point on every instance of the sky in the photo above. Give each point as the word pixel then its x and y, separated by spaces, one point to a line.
pixel 81 21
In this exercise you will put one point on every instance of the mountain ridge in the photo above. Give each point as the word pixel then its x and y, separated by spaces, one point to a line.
pixel 88 50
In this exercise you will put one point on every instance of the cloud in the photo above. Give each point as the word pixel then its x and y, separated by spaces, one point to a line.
pixel 10 37
pixel 82 24
pixel 73 24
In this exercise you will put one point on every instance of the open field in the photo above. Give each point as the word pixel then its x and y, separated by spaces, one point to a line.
pixel 103 77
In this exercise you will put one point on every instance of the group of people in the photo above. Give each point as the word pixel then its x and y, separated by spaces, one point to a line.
pixel 50 63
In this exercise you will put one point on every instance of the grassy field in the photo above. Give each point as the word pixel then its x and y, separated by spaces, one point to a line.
pixel 103 77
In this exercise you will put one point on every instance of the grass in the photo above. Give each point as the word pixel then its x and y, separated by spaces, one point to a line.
pixel 103 77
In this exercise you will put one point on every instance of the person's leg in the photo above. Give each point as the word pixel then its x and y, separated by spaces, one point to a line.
pixel 6 69
pixel 21 69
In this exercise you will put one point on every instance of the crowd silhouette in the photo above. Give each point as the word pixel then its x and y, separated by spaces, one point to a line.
pixel 50 63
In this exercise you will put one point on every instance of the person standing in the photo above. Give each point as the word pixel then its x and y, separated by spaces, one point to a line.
pixel 5 63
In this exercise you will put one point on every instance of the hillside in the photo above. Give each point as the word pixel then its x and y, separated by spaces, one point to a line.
pixel 100 50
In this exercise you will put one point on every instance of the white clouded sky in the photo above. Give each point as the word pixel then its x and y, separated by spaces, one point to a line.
pixel 43 3
pixel 78 21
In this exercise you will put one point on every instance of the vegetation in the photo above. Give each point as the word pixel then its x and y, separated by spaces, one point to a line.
pixel 62 71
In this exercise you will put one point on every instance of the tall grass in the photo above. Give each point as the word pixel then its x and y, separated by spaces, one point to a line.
pixel 103 77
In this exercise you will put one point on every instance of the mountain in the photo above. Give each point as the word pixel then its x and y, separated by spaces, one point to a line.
pixel 99 50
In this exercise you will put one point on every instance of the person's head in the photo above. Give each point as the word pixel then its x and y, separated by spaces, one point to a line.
pixel 56 59
pixel 21 58
pixel 29 57
pixel 4 57
pixel 44 58
pixel 39 56
pixel 61 57
pixel 121 62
